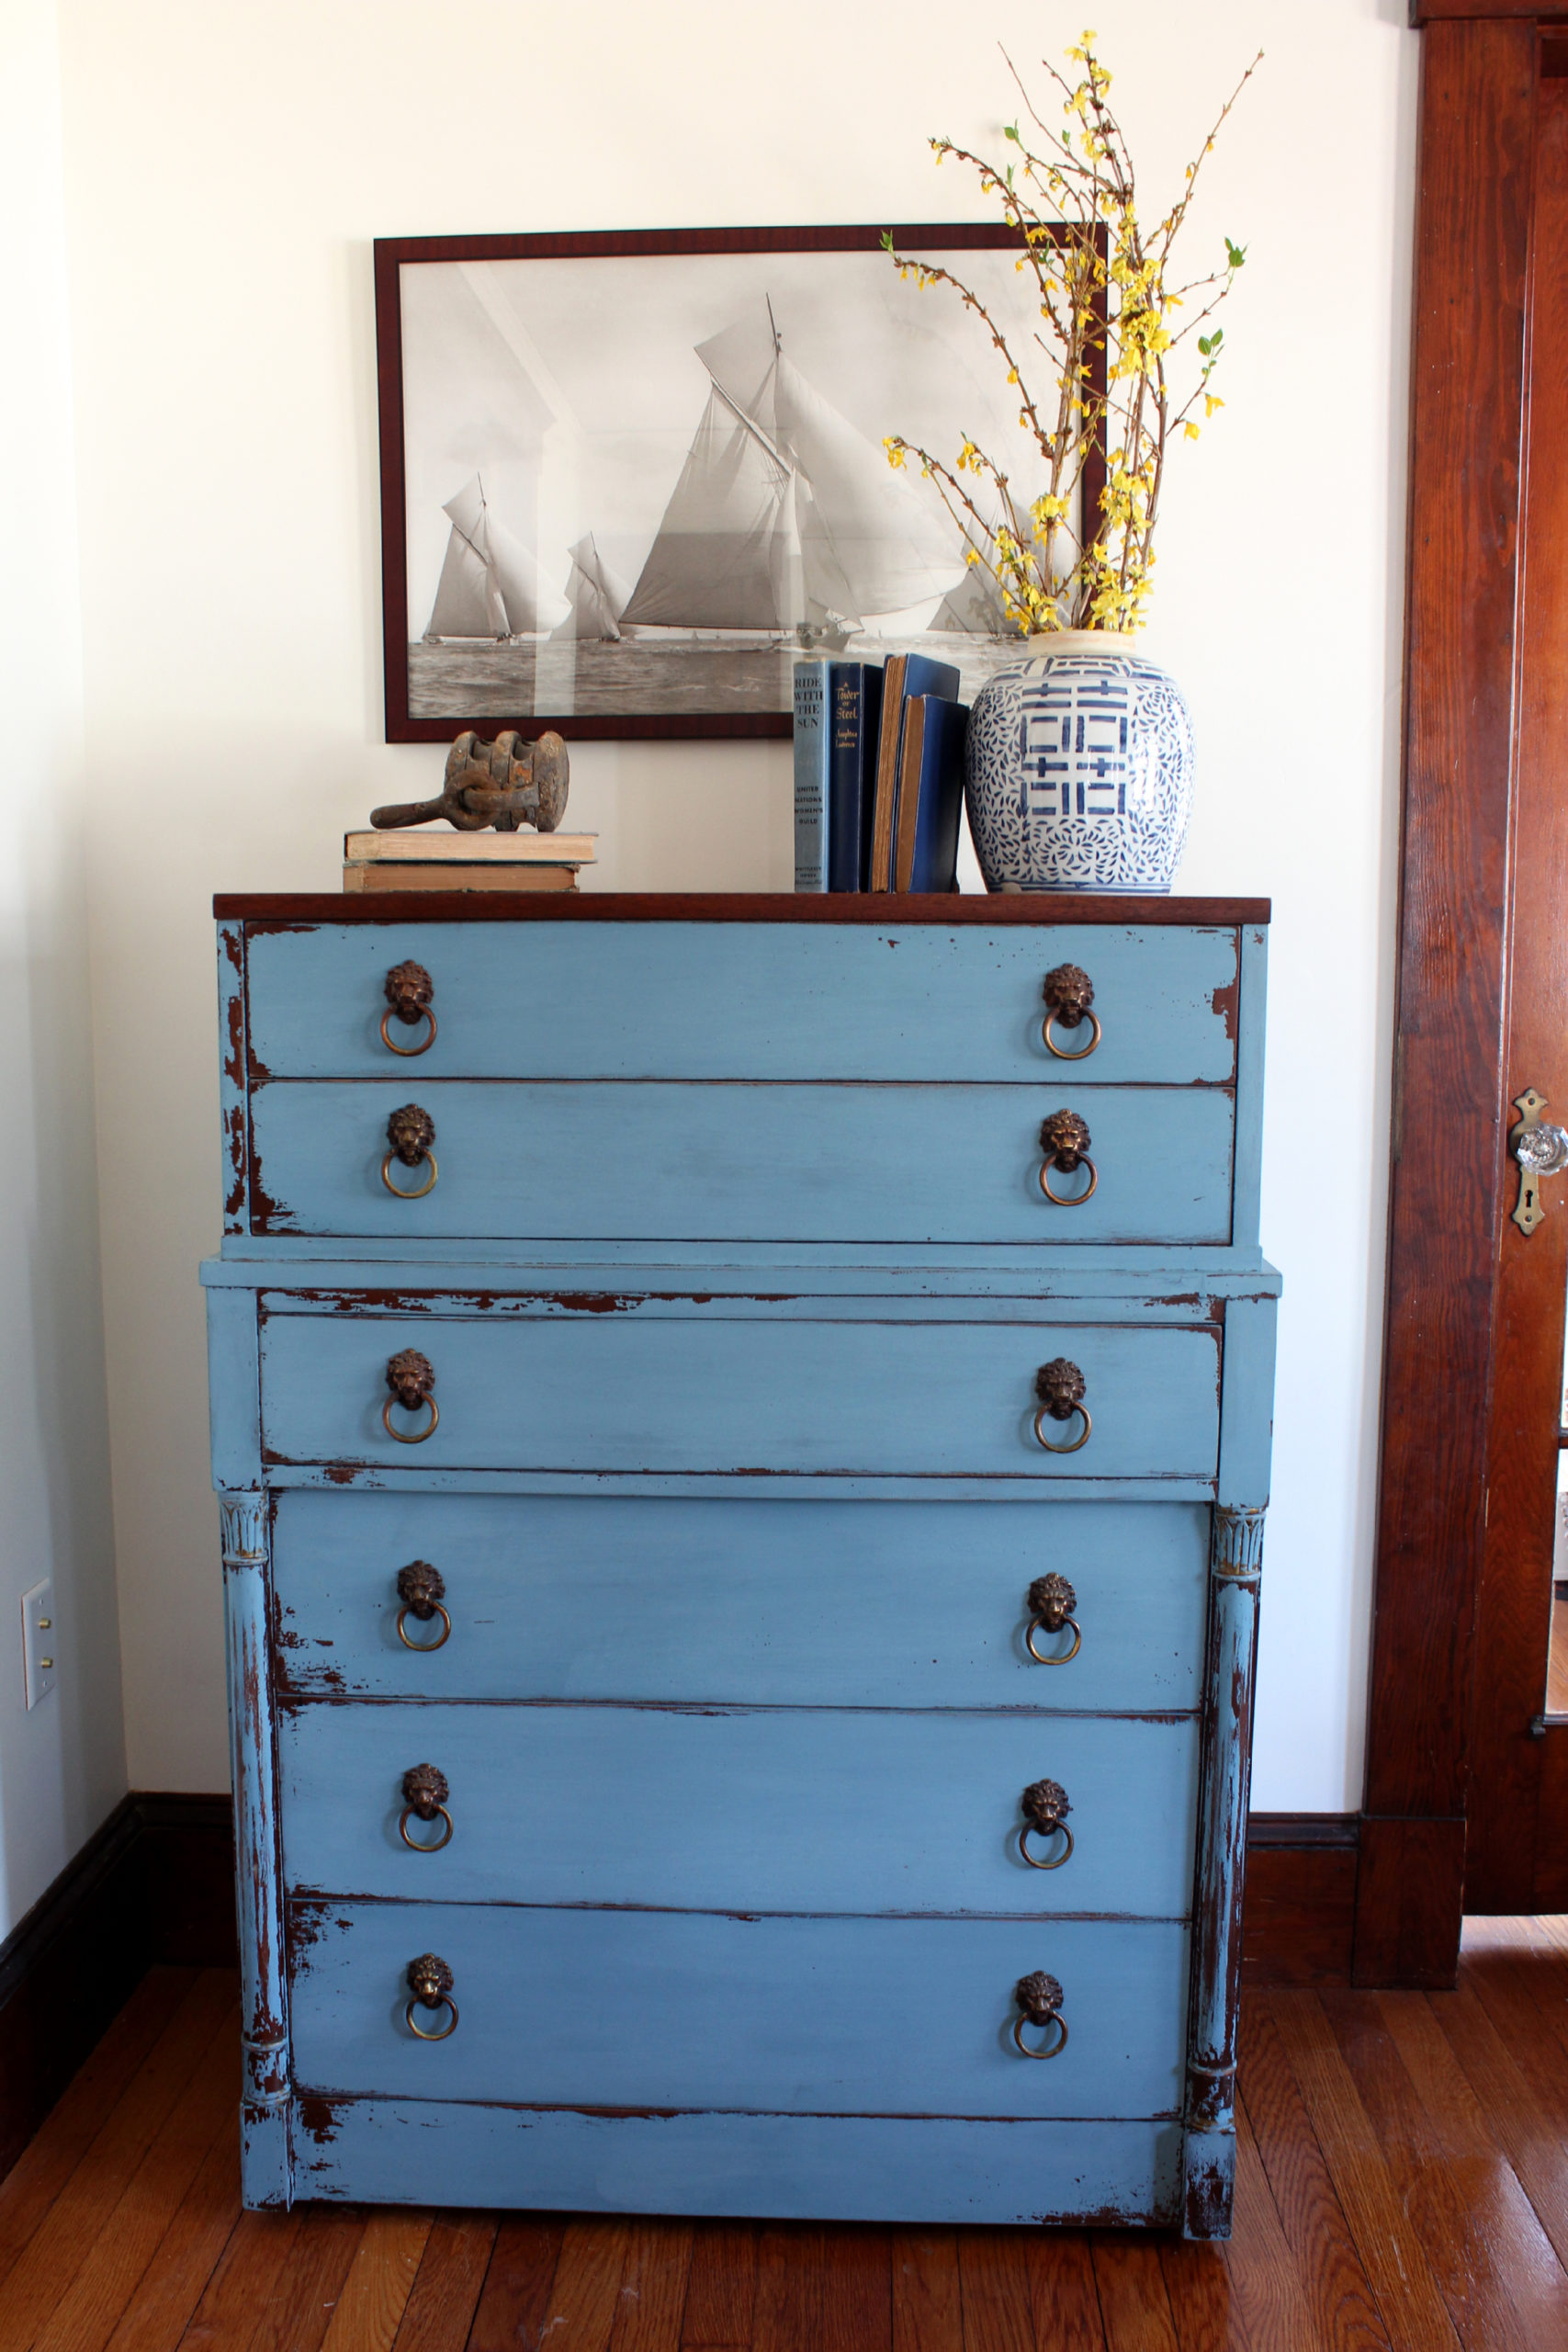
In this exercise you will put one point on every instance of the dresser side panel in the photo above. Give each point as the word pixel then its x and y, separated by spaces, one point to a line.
pixel 1252 1019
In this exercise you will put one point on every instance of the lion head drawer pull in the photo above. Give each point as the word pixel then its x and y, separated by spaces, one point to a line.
pixel 425 1799
pixel 1065 1140
pixel 1052 1601
pixel 1069 992
pixel 1060 1386
pixel 431 1982
pixel 411 1132
pixel 410 1377
pixel 423 1591
pixel 409 991
pixel 1046 1811
pixel 1039 1999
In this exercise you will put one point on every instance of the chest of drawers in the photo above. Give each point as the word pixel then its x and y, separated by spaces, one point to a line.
pixel 742 1429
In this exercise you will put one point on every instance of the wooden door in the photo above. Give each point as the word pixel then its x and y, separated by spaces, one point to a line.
pixel 1517 1843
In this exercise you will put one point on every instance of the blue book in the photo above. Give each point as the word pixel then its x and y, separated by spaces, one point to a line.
pixel 930 794
pixel 813 744
pixel 856 691
pixel 906 676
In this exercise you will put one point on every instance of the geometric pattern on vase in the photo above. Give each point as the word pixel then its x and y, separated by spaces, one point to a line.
pixel 1079 772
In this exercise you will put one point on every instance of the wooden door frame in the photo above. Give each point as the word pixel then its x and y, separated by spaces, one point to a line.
pixel 1480 65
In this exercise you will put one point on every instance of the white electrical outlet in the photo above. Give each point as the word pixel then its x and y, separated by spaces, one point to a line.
pixel 39 1651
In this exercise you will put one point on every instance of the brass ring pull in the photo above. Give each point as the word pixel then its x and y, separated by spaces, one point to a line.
pixel 408 1053
pixel 1058 1828
pixel 1065 1659
pixel 419 1191
pixel 450 2028
pixel 1045 1809
pixel 431 1980
pixel 1060 1386
pixel 437 1608
pixel 1055 2049
pixel 415 1847
pixel 1057 1199
pixel 417 1437
pixel 1041 1439
pixel 1061 1052
pixel 1039 1999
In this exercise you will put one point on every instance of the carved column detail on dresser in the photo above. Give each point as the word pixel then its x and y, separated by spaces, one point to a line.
pixel 265 2092
pixel 1235 1573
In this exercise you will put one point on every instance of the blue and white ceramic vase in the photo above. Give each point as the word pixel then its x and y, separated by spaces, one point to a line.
pixel 1079 768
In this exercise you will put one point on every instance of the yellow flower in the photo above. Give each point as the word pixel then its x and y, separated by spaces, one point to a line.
pixel 1190 430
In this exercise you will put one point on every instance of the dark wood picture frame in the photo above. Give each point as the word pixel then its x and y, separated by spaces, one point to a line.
pixel 390 255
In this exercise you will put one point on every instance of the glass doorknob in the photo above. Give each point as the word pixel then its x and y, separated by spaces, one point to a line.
pixel 1542 1149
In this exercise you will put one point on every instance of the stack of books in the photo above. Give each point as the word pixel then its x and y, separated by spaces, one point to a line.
pixel 878 775
pixel 422 859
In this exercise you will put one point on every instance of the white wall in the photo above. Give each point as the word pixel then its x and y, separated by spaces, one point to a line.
pixel 62 1767
pixel 226 170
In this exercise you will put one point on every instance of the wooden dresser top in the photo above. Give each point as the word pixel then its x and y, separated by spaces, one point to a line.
pixel 879 908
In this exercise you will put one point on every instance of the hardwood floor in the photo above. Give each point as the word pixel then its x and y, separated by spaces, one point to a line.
pixel 1403 2187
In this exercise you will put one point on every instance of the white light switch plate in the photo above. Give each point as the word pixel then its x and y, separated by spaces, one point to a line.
pixel 40 1654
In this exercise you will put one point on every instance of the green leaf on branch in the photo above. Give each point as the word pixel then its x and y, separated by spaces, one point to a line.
pixel 1010 130
pixel 1235 254
pixel 888 240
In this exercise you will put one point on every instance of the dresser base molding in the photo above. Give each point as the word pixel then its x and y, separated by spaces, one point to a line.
pixel 848 2168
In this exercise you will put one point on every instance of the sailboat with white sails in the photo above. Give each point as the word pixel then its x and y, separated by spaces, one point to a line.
pixel 786 519
pixel 489 584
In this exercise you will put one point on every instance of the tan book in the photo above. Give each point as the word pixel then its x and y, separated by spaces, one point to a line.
pixel 885 806
pixel 909 792
pixel 398 876
pixel 423 845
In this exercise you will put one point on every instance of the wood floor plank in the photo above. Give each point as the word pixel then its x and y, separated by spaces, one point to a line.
pixel 47 2264
pixel 1134 2309
pixel 1531 2123
pixel 788 2316
pixel 515 2300
pixel 1462 2152
pixel 451 2277
pixel 242 2282
pixel 721 2287
pixel 580 2308
pixel 858 2307
pixel 1062 2293
pixel 1338 2295
pixel 380 2279
pixel 993 2276
pixel 305 2294
pixel 85 2317
pixel 928 2304
pixel 1525 1992
pixel 46 2164
pixel 1409 2303
pixel 1269 2294
pixel 157 2314
pixel 1204 2305
pixel 653 2286
pixel 1456 2230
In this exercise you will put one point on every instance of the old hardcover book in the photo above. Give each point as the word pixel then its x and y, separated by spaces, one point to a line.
pixel 422 845
pixel 402 874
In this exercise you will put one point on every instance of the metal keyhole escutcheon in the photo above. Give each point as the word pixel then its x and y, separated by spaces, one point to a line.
pixel 1542 1149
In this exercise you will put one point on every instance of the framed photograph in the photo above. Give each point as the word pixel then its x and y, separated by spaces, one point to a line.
pixel 629 479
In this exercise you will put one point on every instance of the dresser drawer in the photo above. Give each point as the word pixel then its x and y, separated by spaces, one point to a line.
pixel 709 1394
pixel 777 1602
pixel 779 1809
pixel 631 2009
pixel 674 1000
pixel 743 1163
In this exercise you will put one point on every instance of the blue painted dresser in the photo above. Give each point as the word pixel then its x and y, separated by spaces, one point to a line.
pixel 742 1428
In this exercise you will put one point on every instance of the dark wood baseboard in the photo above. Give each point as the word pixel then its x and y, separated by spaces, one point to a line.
pixel 156 1884
pixel 1299 1924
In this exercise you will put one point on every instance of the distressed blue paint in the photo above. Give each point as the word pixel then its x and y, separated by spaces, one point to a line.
pixel 605 1392
pixel 681 999
pixel 785 1809
pixel 918 1164
pixel 678 2008
pixel 855 2167
pixel 813 1603
pixel 265 2092
pixel 737 1502
pixel 234 1079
